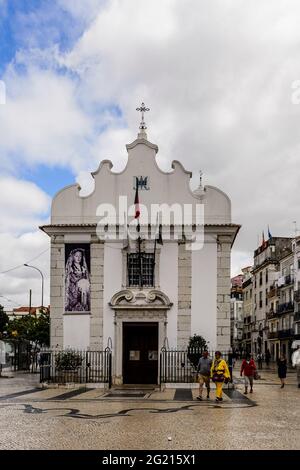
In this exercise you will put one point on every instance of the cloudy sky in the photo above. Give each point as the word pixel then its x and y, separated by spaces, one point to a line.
pixel 222 79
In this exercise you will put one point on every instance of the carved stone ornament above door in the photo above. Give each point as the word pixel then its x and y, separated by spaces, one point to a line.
pixel 136 299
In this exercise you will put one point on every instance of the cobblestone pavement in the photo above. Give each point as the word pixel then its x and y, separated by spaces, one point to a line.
pixel 70 418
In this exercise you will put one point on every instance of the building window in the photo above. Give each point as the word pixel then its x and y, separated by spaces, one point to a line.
pixel 284 271
pixel 298 263
pixel 260 299
pixel 144 264
pixel 260 278
pixel 266 296
pixel 267 276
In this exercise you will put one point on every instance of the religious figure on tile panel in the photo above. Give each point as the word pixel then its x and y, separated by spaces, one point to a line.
pixel 77 278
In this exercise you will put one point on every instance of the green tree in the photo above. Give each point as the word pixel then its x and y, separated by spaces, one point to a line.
pixel 18 328
pixel 41 330
pixel 31 328
pixel 197 341
pixel 196 345
pixel 3 321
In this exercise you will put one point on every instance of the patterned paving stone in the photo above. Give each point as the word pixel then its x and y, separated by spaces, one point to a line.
pixel 270 421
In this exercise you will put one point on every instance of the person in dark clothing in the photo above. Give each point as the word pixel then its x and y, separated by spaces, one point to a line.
pixel 282 368
pixel 268 357
pixel 259 360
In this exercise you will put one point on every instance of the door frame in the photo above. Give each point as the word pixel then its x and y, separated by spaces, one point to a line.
pixel 139 324
pixel 127 316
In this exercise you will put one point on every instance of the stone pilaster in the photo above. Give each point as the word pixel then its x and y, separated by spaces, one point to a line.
pixel 57 269
pixel 184 296
pixel 97 285
pixel 223 293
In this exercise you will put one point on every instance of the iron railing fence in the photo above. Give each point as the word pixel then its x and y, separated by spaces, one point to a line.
pixel 65 366
pixel 22 355
pixel 181 366
pixel 17 355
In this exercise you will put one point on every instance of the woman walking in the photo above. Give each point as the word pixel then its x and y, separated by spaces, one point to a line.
pixel 219 374
pixel 282 368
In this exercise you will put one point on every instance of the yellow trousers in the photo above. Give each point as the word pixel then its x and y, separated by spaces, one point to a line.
pixel 219 386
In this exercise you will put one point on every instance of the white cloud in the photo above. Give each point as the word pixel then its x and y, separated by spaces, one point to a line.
pixel 81 11
pixel 217 77
pixel 15 285
pixel 23 205
pixel 41 121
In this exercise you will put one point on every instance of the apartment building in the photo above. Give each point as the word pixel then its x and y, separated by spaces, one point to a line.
pixel 265 272
pixel 247 315
pixel 236 311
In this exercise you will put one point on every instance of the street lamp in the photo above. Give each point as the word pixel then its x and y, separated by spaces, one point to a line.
pixel 29 266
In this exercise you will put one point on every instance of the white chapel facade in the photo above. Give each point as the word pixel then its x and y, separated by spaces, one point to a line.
pixel 138 295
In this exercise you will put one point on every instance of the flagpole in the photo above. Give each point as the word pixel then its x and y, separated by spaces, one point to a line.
pixel 140 254
pixel 154 252
pixel 137 215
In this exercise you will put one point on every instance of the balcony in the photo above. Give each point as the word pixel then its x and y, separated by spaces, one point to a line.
pixel 297 295
pixel 285 281
pixel 272 292
pixel 246 335
pixel 272 335
pixel 285 333
pixel 286 307
pixel 297 316
pixel 288 280
pixel 271 314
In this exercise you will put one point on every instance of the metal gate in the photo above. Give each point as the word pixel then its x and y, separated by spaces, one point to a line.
pixel 181 366
pixel 66 366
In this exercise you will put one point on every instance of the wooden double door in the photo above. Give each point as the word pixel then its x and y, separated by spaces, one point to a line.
pixel 140 353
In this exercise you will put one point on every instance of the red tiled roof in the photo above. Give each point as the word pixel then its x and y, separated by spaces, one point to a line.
pixel 25 309
pixel 33 310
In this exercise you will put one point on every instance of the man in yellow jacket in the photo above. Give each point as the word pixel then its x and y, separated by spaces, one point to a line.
pixel 219 374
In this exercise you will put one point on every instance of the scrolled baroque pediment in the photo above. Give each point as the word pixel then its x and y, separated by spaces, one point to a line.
pixel 140 299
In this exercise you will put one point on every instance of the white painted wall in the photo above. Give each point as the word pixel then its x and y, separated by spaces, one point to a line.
pixel 168 266
pixel 77 238
pixel 76 331
pixel 204 292
pixel 112 284
pixel 165 187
